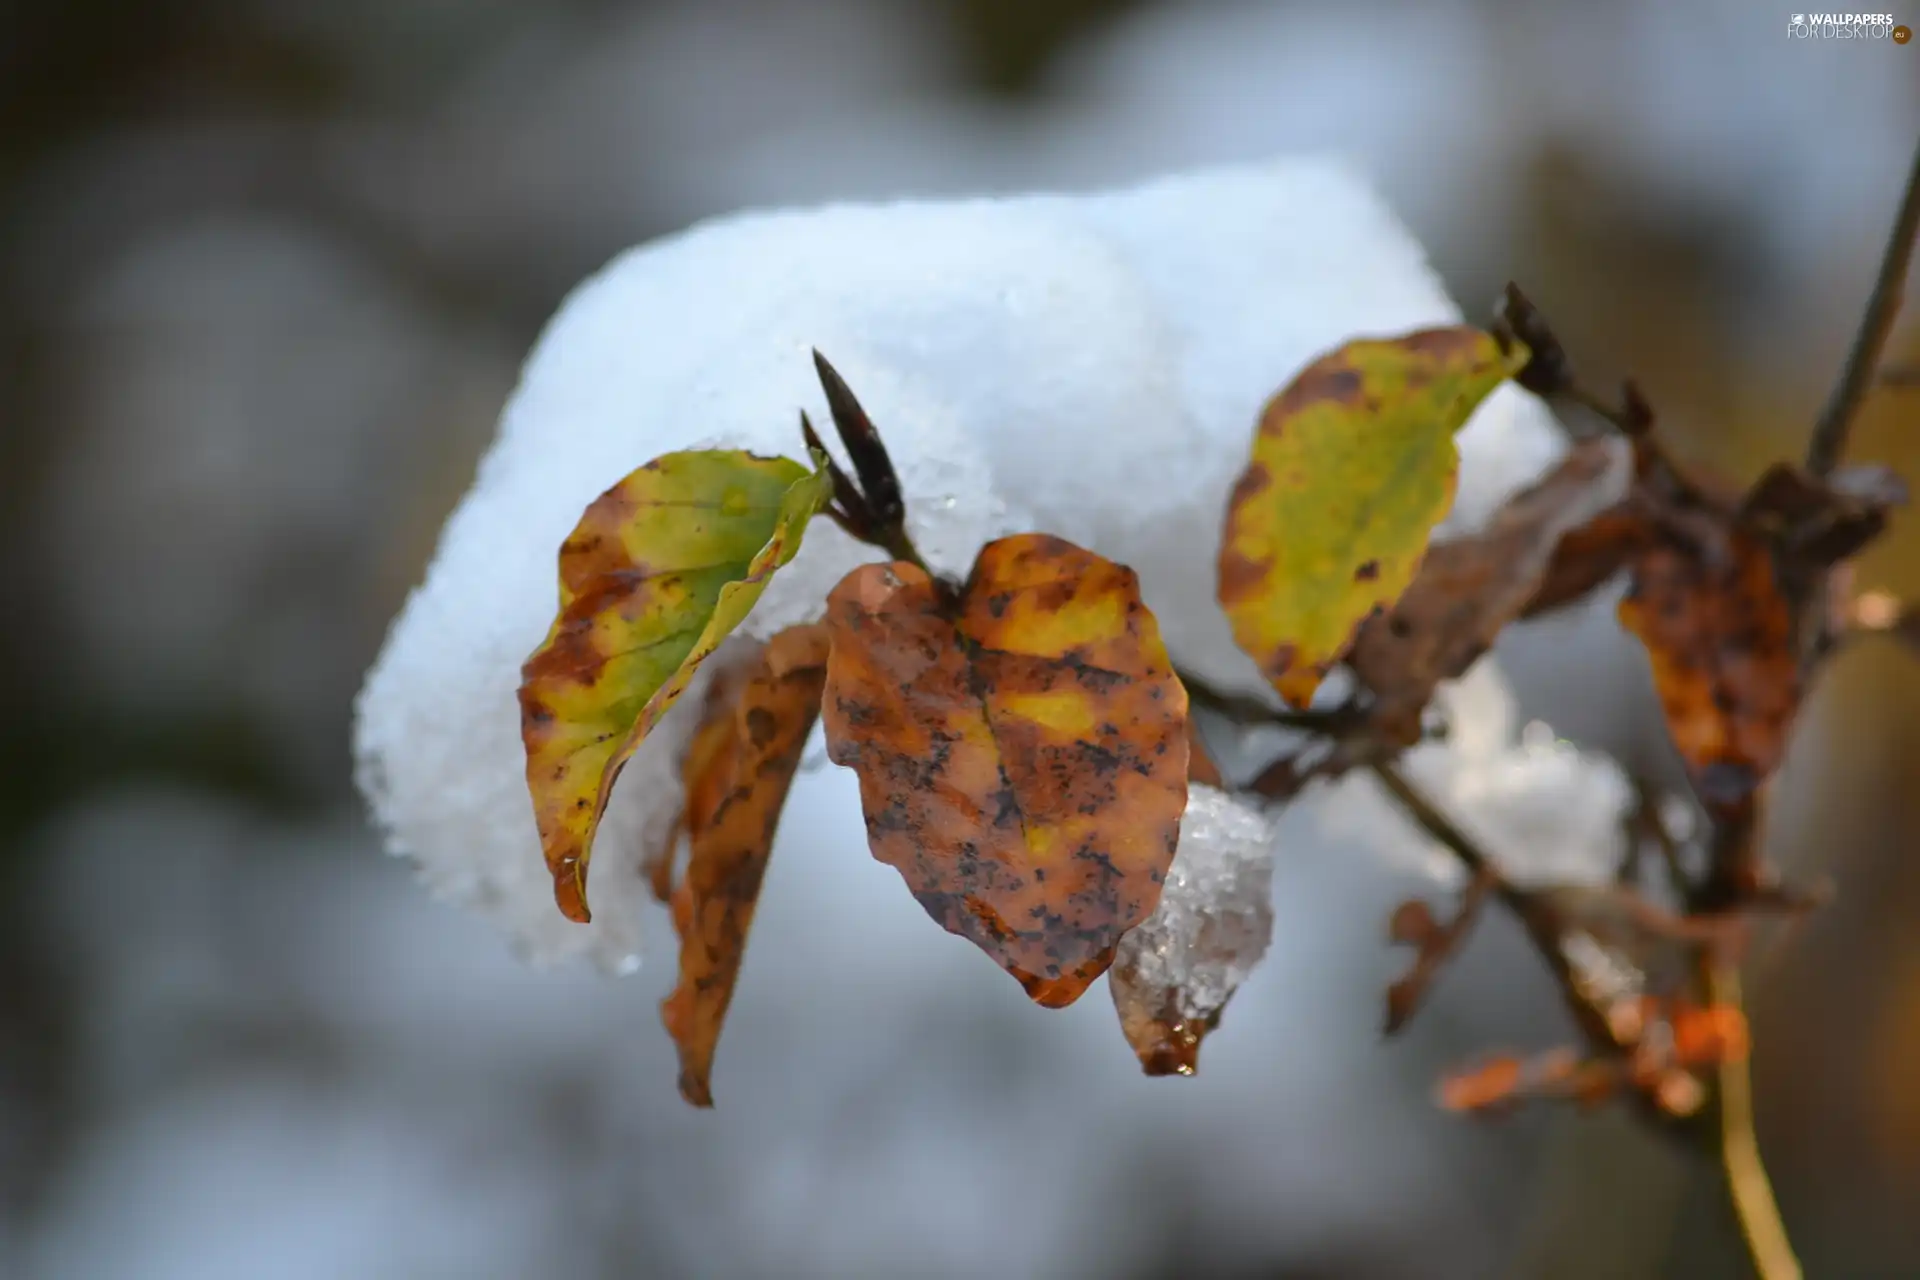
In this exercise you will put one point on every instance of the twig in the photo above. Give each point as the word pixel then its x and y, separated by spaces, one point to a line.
pixel 1540 918
pixel 1243 710
pixel 1747 1182
pixel 1876 326
pixel 1414 924
pixel 1632 417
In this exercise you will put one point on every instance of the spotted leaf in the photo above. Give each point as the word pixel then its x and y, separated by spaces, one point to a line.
pixel 738 775
pixel 1718 632
pixel 1022 750
pixel 1352 466
pixel 659 570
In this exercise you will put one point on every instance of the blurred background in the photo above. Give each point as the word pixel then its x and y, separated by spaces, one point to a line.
pixel 267 270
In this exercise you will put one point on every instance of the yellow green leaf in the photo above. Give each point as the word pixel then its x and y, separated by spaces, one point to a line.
pixel 659 570
pixel 1353 465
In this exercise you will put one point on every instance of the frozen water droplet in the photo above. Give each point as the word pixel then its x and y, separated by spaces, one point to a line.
pixel 1174 974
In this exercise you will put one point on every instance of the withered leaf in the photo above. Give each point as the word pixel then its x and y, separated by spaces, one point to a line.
pixel 1822 522
pixel 1200 765
pixel 738 775
pixel 702 766
pixel 1172 976
pixel 1497 1082
pixel 1022 749
pixel 1589 554
pixel 1706 1035
pixel 1718 632
pixel 705 767
pixel 1500 1083
pixel 1352 466
pixel 1466 591
pixel 659 570
pixel 1413 924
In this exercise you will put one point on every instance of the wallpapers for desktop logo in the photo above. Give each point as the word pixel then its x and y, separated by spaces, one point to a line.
pixel 1843 26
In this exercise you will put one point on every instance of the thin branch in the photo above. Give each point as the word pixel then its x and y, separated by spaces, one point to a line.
pixel 1632 417
pixel 1243 710
pixel 1540 919
pixel 1747 1181
pixel 1649 822
pixel 1876 326
pixel 1414 924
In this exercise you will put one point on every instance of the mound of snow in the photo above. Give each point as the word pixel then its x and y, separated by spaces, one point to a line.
pixel 1089 366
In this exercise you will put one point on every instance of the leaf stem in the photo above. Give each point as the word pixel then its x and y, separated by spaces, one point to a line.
pixel 897 544
pixel 1876 326
pixel 1747 1181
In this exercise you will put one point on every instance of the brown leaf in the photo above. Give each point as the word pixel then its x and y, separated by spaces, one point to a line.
pixel 1467 590
pixel 1501 1083
pixel 1682 1038
pixel 1200 765
pixel 1708 1035
pixel 656 864
pixel 1412 924
pixel 1822 522
pixel 738 774
pixel 704 764
pixel 1719 633
pixel 1022 750
pixel 1589 555
pixel 1493 1083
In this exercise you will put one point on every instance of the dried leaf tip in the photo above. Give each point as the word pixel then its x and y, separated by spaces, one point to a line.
pixel 1548 371
pixel 878 483
pixel 849 509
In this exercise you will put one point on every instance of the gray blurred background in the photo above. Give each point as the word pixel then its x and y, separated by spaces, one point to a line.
pixel 267 269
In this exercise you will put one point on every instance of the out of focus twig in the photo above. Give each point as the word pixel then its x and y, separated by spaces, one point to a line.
pixel 1537 915
pixel 1747 1182
pixel 1876 325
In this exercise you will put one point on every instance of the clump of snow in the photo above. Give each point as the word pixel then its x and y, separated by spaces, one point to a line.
pixel 1214 920
pixel 1089 366
pixel 1548 813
